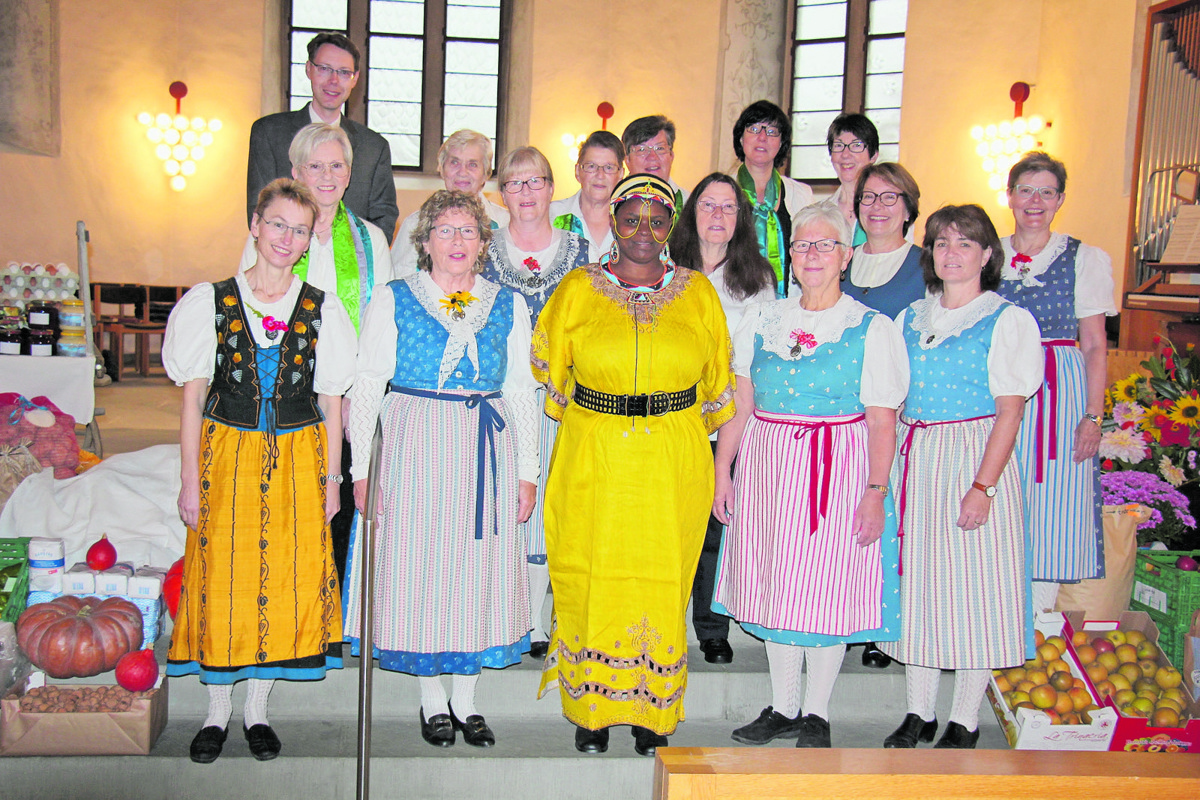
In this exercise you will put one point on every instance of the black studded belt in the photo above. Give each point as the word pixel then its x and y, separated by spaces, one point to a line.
pixel 655 404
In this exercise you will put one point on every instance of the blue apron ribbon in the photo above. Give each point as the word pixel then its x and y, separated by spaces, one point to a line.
pixel 490 423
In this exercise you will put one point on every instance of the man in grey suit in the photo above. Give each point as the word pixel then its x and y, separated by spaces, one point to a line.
pixel 332 68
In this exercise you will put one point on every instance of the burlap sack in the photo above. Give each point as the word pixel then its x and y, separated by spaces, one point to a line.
pixel 1107 597
pixel 16 462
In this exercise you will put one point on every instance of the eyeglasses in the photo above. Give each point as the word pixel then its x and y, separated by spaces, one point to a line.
pixel 324 70
pixel 887 198
pixel 801 246
pixel 709 207
pixel 592 169
pixel 468 232
pixel 1025 191
pixel 770 130
pixel 857 146
pixel 299 231
pixel 336 168
pixel 645 149
pixel 535 183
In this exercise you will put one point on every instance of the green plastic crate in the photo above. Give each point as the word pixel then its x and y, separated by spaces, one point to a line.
pixel 14 577
pixel 1168 594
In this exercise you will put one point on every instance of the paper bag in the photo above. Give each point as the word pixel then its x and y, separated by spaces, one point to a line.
pixel 1107 597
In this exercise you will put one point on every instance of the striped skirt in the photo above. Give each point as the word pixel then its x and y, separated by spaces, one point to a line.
pixel 1065 534
pixel 439 590
pixel 535 528
pixel 789 572
pixel 260 590
pixel 964 594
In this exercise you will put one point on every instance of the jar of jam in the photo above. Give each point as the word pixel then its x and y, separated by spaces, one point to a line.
pixel 40 315
pixel 41 342
pixel 10 341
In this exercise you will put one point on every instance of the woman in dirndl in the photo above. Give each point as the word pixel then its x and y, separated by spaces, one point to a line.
pixel 260 442
pixel 634 354
pixel 809 561
pixel 974 359
pixel 1068 287
pixel 531 256
pixel 459 468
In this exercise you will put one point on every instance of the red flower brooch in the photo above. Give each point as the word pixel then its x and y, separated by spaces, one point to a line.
pixel 803 341
pixel 533 265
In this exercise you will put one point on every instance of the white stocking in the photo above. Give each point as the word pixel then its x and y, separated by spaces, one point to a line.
pixel 220 705
pixel 969 688
pixel 1045 595
pixel 462 691
pixel 433 696
pixel 539 582
pixel 785 661
pixel 824 663
pixel 922 685
pixel 255 711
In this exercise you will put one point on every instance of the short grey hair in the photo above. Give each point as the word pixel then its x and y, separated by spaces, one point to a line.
pixel 465 138
pixel 312 136
pixel 828 213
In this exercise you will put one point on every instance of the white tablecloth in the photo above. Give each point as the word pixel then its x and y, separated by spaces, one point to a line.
pixel 67 381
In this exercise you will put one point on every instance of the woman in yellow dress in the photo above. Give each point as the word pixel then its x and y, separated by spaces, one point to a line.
pixel 635 357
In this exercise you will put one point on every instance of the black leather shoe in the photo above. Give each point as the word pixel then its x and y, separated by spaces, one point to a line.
pixel 475 730
pixel 874 658
pixel 207 744
pixel 815 732
pixel 717 651
pixel 264 744
pixel 591 741
pixel 769 726
pixel 912 730
pixel 538 650
pixel 956 737
pixel 646 742
pixel 438 730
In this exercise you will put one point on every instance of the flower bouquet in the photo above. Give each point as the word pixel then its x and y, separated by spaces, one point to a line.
pixel 1170 520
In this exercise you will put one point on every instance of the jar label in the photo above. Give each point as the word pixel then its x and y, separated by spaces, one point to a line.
pixel 41 349
pixel 39 317
pixel 10 348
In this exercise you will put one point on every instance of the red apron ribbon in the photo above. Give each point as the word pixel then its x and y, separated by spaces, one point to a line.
pixel 1047 395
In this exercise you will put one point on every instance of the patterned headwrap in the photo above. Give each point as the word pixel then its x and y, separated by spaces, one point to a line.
pixel 647 188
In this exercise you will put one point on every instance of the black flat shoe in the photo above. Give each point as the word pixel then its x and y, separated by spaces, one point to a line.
pixel 769 726
pixel 438 730
pixel 207 744
pixel 475 730
pixel 874 658
pixel 591 741
pixel 912 730
pixel 717 651
pixel 538 650
pixel 646 742
pixel 815 732
pixel 264 744
pixel 956 737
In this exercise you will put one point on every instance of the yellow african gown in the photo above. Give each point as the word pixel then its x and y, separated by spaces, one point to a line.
pixel 627 499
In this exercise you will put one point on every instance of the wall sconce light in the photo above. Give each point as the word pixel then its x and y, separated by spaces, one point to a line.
pixel 1001 145
pixel 178 141
pixel 573 142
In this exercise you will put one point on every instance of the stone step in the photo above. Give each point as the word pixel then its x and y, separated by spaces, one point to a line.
pixel 532 757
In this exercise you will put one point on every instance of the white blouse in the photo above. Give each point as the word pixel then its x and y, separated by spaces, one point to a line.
pixel 1015 359
pixel 884 380
pixel 570 205
pixel 872 270
pixel 1093 274
pixel 734 308
pixel 322 273
pixel 190 345
pixel 377 365
pixel 404 255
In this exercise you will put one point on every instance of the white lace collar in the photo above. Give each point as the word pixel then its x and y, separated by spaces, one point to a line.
pixel 518 276
pixel 783 324
pixel 1038 264
pixel 936 323
pixel 462 331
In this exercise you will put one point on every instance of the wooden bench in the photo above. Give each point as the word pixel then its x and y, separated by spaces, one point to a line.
pixel 693 773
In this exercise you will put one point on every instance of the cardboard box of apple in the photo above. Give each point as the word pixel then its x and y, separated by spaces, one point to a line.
pixel 1133 677
pixel 1047 703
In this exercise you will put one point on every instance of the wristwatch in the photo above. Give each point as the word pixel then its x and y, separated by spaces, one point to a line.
pixel 339 479
pixel 879 487
pixel 1093 418
pixel 990 491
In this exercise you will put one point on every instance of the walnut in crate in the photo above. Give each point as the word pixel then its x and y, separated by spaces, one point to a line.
pixel 69 699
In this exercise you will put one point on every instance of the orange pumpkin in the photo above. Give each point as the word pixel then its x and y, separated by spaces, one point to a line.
pixel 76 637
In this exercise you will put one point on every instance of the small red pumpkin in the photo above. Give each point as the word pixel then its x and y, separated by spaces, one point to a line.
pixel 102 554
pixel 76 637
pixel 172 585
pixel 137 671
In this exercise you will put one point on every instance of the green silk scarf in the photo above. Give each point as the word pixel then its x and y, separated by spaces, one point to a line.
pixel 351 248
pixel 772 241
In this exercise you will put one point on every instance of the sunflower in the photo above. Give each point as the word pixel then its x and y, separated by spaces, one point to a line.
pixel 1126 391
pixel 1186 411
